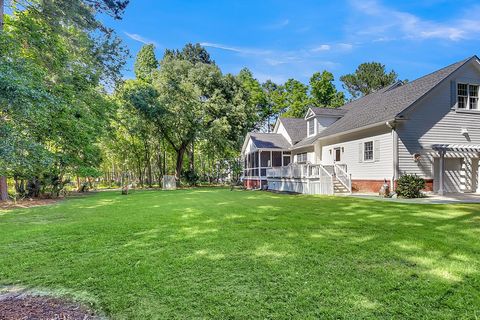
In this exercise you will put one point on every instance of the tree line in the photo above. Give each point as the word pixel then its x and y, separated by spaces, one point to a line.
pixel 68 117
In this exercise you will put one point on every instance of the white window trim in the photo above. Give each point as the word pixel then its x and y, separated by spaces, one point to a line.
pixel 373 151
pixel 302 154
pixel 467 107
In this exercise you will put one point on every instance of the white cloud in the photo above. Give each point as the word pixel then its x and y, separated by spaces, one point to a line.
pixel 323 47
pixel 250 51
pixel 382 22
pixel 140 38
pixel 279 25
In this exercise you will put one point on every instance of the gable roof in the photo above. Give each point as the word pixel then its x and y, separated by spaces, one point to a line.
pixel 295 127
pixel 269 141
pixel 387 103
pixel 328 111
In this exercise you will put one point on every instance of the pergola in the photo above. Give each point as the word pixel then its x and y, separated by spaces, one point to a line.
pixel 442 149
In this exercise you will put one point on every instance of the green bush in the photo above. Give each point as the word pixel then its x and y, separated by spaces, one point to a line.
pixel 409 186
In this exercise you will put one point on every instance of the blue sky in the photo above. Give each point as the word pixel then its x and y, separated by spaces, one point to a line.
pixel 280 39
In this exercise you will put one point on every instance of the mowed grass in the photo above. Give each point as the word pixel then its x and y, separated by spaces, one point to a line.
pixel 216 253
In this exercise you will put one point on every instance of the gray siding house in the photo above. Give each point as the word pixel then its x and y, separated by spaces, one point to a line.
pixel 429 127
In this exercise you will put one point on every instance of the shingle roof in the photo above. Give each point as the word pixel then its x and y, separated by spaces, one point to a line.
pixel 296 128
pixel 269 141
pixel 328 111
pixel 389 102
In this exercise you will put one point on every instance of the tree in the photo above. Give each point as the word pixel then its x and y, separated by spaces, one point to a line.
pixel 367 78
pixel 194 53
pixel 146 63
pixel 197 102
pixel 297 99
pixel 256 95
pixel 53 108
pixel 323 91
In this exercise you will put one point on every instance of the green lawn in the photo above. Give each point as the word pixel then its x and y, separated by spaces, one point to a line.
pixel 215 253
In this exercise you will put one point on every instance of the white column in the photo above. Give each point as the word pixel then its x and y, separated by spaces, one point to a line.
pixel 441 174
pixel 259 164
pixel 478 177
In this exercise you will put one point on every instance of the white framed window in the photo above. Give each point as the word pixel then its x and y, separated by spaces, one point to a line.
pixel 311 127
pixel 467 96
pixel 368 151
pixel 302 157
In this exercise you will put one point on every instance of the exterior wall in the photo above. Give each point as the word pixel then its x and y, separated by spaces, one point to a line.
pixel 281 130
pixel 434 120
pixel 310 154
pixel 324 122
pixel 378 170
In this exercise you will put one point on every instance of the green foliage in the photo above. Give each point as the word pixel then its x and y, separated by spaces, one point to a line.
pixel 367 78
pixel 297 100
pixel 323 91
pixel 410 186
pixel 193 53
pixel 146 63
pixel 53 107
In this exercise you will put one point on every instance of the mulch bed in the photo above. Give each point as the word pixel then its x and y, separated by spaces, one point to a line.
pixel 24 306
pixel 35 202
pixel 28 203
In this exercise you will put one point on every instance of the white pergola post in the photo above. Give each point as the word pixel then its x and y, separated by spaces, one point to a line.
pixel 441 174
pixel 259 164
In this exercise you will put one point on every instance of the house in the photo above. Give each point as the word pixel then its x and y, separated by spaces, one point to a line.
pixel 429 127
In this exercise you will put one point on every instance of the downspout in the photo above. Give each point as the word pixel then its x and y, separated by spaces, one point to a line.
pixel 392 125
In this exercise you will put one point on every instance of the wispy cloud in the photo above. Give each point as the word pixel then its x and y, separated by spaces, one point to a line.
pixel 386 23
pixel 250 51
pixel 322 47
pixel 278 25
pixel 140 38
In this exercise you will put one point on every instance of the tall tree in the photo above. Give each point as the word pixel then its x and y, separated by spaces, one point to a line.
pixel 367 78
pixel 146 63
pixel 194 53
pixel 323 91
pixel 197 101
pixel 297 99
pixel 3 179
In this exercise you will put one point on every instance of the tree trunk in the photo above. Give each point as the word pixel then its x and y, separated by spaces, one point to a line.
pixel 2 4
pixel 179 163
pixel 3 189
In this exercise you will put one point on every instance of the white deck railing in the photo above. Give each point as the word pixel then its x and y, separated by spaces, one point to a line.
pixel 342 176
pixel 318 179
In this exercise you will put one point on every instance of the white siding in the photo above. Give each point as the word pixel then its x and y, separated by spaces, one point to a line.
pixel 379 169
pixel 324 122
pixel 281 130
pixel 434 121
pixel 310 154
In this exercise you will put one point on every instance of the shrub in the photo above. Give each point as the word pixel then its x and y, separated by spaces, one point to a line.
pixel 409 186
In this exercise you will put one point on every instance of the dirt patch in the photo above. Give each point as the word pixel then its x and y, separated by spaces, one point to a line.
pixel 24 305
pixel 35 202
pixel 28 203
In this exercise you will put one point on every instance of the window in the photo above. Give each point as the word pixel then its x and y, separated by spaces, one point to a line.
pixel 368 151
pixel 302 157
pixel 467 96
pixel 311 127
pixel 473 95
pixel 338 154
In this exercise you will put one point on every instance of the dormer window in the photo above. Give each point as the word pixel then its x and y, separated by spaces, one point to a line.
pixel 311 127
pixel 467 96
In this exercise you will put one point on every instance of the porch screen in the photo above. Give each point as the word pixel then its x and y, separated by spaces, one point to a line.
pixel 277 159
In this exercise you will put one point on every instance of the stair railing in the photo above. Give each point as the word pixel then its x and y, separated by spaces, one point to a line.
pixel 343 177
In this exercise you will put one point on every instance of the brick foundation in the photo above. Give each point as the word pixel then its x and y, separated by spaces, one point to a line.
pixel 253 183
pixel 375 185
